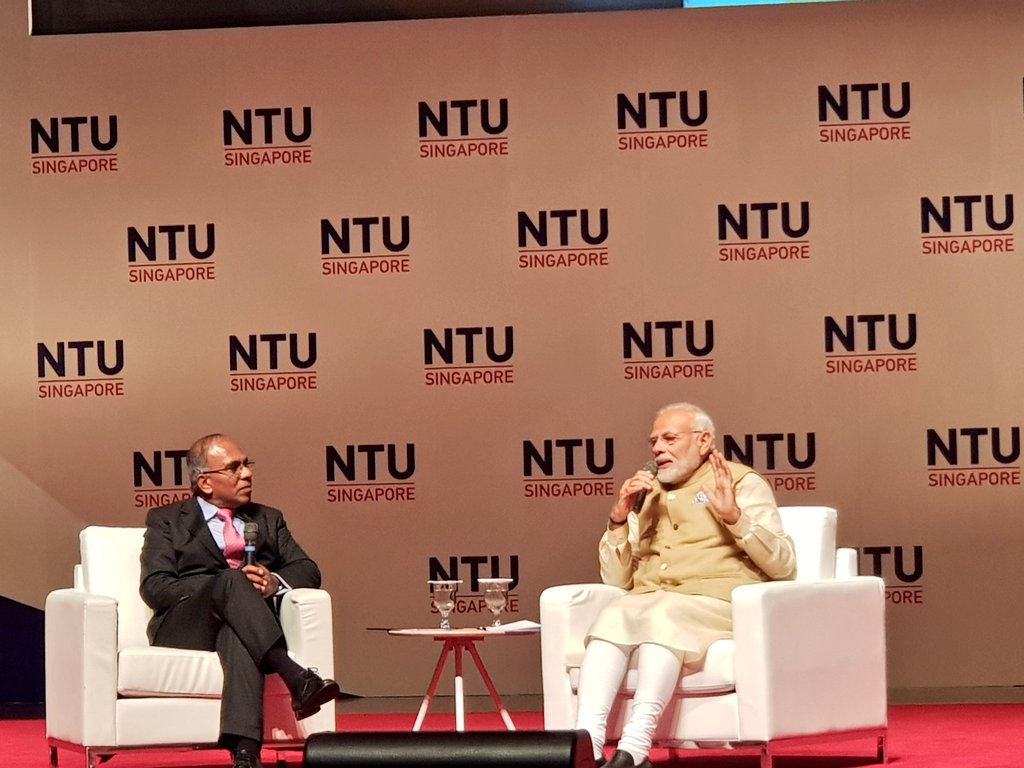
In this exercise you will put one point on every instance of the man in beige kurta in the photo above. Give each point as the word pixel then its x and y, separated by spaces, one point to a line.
pixel 705 527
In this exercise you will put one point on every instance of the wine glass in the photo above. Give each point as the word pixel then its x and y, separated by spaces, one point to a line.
pixel 442 595
pixel 495 596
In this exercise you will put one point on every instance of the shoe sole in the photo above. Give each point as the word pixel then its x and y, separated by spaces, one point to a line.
pixel 328 693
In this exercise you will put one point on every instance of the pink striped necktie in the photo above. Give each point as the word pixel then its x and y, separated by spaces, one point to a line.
pixel 234 544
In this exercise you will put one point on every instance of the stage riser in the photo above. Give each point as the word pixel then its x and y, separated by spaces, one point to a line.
pixel 480 749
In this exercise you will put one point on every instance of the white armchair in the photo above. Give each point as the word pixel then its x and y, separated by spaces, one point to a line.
pixel 807 657
pixel 108 690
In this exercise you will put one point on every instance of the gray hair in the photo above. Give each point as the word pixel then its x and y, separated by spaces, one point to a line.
pixel 195 461
pixel 701 420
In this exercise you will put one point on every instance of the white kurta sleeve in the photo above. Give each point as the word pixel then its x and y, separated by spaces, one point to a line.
pixel 615 553
pixel 759 530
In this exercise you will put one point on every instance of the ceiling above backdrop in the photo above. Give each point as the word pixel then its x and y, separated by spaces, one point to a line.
pixel 62 17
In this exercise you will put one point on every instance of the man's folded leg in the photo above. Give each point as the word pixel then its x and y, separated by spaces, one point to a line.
pixel 226 614
pixel 249 617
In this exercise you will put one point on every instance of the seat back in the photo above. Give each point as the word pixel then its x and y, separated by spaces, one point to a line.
pixel 813 530
pixel 111 567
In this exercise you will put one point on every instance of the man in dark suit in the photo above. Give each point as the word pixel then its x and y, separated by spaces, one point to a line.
pixel 205 598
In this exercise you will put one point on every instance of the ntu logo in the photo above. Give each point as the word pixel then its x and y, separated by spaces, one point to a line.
pixel 370 472
pixel 568 466
pixel 871 344
pixel 79 144
pixel 86 368
pixel 563 238
pixel 463 128
pixel 268 136
pixel 159 477
pixel 468 355
pixel 855 112
pixel 967 224
pixel 786 459
pixel 170 253
pixel 469 569
pixel 766 231
pixel 269 362
pixel 967 457
pixel 902 569
pixel 365 245
pixel 668 349
pixel 662 120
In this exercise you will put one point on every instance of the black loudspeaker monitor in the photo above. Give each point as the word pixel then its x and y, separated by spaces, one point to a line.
pixel 435 749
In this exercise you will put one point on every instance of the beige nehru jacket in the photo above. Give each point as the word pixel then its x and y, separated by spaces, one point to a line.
pixel 677 543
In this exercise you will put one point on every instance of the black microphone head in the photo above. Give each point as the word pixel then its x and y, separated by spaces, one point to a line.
pixel 638 501
pixel 249 532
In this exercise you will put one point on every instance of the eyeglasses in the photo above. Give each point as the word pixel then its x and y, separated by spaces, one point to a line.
pixel 671 438
pixel 234 468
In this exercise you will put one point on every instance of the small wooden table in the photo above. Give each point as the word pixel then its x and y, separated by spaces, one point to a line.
pixel 457 640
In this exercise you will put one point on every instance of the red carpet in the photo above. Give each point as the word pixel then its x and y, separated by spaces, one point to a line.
pixel 920 736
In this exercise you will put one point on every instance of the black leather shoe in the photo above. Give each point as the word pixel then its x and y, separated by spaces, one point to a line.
pixel 246 759
pixel 314 691
pixel 625 760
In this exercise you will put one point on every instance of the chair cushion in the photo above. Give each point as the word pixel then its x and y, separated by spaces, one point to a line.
pixel 153 671
pixel 813 530
pixel 714 676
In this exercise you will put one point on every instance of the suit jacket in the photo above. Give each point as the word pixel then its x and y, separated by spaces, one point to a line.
pixel 179 552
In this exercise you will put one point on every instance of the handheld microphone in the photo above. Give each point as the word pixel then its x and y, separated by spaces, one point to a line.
pixel 638 502
pixel 249 531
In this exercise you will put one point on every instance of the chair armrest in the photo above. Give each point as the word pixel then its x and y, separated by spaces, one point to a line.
pixel 566 613
pixel 80 640
pixel 308 624
pixel 307 619
pixel 810 657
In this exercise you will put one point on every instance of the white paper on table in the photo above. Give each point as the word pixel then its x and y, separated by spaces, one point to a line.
pixel 523 625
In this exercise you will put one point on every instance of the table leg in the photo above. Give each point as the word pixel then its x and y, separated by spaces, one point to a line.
pixel 460 704
pixel 490 687
pixel 425 705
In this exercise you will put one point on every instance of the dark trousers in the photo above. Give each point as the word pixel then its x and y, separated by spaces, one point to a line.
pixel 226 614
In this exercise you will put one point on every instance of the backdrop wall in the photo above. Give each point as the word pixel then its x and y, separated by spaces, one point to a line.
pixel 436 277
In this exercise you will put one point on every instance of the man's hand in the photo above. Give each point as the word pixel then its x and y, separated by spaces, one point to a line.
pixel 262 580
pixel 642 481
pixel 722 497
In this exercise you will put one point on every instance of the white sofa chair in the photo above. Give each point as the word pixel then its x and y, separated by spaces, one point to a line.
pixel 108 690
pixel 807 657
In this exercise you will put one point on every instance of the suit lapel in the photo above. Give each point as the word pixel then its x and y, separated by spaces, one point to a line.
pixel 192 516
